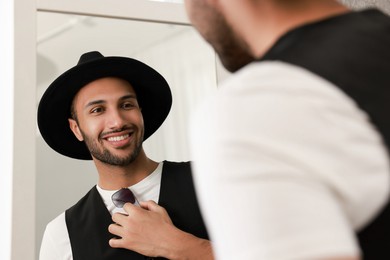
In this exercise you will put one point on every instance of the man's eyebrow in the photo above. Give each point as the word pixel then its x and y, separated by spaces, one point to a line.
pixel 99 102
pixel 129 96
pixel 94 102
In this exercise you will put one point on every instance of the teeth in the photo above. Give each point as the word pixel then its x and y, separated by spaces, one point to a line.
pixel 117 138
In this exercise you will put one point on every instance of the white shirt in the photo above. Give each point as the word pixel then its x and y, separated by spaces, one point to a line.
pixel 56 243
pixel 292 167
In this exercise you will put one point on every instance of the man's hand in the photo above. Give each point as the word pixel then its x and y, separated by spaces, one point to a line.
pixel 148 230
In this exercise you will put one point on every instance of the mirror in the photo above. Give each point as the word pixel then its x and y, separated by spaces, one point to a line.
pixel 176 51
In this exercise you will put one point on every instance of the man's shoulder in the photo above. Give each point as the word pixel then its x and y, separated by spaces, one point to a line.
pixel 176 172
pixel 80 204
pixel 176 168
pixel 183 164
pixel 55 241
pixel 56 222
pixel 56 229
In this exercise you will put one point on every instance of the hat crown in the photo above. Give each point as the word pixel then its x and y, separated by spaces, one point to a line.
pixel 90 56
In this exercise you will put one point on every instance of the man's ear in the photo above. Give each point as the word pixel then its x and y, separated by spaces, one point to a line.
pixel 75 129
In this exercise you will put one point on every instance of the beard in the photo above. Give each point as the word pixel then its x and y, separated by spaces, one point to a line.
pixel 233 59
pixel 233 51
pixel 99 152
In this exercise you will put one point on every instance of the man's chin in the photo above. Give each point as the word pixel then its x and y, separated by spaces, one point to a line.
pixel 114 160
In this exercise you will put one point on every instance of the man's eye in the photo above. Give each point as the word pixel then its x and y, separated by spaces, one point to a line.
pixel 96 110
pixel 128 105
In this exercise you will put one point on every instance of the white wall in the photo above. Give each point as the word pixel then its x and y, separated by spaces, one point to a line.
pixel 6 104
pixel 384 5
pixel 17 101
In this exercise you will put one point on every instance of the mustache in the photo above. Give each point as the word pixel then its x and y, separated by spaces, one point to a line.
pixel 124 128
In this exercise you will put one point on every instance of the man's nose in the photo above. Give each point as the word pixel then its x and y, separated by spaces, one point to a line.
pixel 115 119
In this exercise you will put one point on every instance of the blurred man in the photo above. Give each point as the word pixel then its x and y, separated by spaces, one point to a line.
pixel 296 165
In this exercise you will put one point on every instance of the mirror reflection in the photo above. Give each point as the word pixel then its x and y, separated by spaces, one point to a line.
pixel 176 51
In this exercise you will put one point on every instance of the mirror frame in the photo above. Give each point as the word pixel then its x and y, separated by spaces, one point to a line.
pixel 143 10
pixel 140 10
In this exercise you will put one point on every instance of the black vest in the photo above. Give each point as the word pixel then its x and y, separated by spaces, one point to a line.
pixel 88 220
pixel 353 52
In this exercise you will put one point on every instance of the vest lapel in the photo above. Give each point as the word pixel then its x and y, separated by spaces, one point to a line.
pixel 87 224
pixel 88 220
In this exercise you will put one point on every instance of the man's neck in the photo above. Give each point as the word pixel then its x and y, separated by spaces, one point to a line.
pixel 116 177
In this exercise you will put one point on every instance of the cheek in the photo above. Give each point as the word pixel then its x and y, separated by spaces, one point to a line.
pixel 137 118
pixel 91 128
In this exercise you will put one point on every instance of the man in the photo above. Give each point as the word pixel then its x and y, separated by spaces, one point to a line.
pixel 296 165
pixel 103 109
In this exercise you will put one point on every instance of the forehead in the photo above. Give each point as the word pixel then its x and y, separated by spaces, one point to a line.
pixel 104 89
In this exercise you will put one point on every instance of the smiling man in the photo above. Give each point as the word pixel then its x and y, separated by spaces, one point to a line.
pixel 108 124
pixel 103 109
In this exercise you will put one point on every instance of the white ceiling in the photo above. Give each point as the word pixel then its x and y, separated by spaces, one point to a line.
pixel 62 38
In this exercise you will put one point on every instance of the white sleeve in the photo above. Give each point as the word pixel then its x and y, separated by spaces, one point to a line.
pixel 55 243
pixel 286 166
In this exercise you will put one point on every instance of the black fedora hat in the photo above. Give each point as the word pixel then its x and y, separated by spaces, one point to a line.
pixel 153 94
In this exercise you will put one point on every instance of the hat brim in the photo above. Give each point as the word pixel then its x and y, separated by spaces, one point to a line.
pixel 153 94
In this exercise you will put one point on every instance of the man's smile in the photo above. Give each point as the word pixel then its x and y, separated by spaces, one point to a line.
pixel 117 138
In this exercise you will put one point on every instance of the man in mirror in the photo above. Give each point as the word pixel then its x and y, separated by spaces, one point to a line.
pixel 103 109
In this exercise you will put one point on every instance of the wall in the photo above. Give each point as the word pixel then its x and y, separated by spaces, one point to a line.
pixel 384 5
pixel 17 99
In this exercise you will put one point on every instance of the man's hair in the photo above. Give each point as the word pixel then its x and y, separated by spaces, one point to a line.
pixel 73 113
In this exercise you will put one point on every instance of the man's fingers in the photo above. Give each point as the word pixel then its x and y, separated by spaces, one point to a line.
pixel 115 242
pixel 149 205
pixel 118 218
pixel 115 230
pixel 154 207
pixel 128 207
